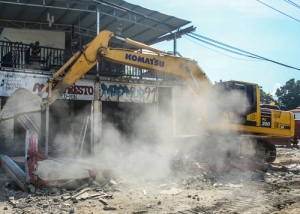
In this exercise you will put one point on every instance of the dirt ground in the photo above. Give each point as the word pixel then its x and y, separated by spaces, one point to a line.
pixel 276 189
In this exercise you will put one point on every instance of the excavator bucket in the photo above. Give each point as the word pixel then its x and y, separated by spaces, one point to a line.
pixel 22 101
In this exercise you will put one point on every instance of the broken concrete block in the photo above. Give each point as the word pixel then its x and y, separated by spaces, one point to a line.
pixel 113 183
pixel 109 208
pixel 83 196
pixel 104 202
pixel 81 192
pixel 31 188
pixel 66 197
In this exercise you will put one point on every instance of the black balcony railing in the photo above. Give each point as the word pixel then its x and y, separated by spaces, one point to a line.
pixel 23 56
pixel 35 57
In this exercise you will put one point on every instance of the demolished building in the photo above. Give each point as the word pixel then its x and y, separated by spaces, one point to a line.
pixel 30 55
pixel 109 97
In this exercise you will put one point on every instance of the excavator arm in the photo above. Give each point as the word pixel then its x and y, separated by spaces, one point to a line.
pixel 157 60
pixel 83 61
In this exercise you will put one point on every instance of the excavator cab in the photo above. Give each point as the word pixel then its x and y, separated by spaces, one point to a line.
pixel 232 101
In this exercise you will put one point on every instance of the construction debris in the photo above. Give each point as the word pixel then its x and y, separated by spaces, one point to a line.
pixel 195 187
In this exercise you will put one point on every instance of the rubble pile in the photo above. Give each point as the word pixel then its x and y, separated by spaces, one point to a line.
pixel 109 192
pixel 282 174
pixel 205 180
pixel 56 198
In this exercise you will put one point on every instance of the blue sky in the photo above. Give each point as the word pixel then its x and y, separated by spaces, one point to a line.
pixel 245 24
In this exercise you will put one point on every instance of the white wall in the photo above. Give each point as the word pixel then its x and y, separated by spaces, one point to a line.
pixel 55 39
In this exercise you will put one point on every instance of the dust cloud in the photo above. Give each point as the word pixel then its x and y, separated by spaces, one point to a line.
pixel 144 146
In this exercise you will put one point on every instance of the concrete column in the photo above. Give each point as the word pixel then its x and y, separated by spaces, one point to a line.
pixel 96 124
pixel 96 119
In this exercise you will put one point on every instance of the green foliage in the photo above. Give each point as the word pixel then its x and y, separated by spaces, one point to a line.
pixel 266 98
pixel 289 95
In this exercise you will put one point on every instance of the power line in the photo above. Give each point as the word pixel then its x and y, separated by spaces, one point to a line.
pixel 217 46
pixel 279 11
pixel 235 50
pixel 218 51
pixel 292 3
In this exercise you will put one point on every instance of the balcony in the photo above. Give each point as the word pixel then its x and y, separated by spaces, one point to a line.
pixel 34 57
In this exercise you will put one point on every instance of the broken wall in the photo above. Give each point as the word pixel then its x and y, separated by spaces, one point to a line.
pixel 145 104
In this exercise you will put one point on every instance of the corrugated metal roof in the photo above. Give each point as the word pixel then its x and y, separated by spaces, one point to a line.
pixel 130 20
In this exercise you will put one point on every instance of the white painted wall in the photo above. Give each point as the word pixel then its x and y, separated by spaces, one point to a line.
pixel 55 39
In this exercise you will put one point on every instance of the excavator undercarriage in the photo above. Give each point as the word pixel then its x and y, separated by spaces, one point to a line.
pixel 212 152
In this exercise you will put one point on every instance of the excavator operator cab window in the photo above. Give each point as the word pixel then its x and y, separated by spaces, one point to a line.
pixel 248 90
pixel 251 96
pixel 234 99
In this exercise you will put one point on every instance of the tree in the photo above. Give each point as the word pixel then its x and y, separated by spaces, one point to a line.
pixel 266 98
pixel 289 95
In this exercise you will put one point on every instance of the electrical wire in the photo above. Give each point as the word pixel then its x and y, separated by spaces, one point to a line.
pixel 218 51
pixel 279 11
pixel 223 44
pixel 236 50
pixel 292 3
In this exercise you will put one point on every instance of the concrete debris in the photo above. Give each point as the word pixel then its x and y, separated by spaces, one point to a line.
pixel 99 193
pixel 93 195
pixel 104 195
pixel 83 196
pixel 106 207
pixel 31 188
pixel 113 183
pixel 66 197
pixel 103 201
pixel 81 192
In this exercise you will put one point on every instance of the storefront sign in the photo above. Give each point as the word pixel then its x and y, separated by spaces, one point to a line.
pixel 10 81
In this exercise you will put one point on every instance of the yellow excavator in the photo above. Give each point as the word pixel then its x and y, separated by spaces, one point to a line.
pixel 231 110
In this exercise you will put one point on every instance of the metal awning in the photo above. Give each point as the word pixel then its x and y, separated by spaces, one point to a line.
pixel 79 19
